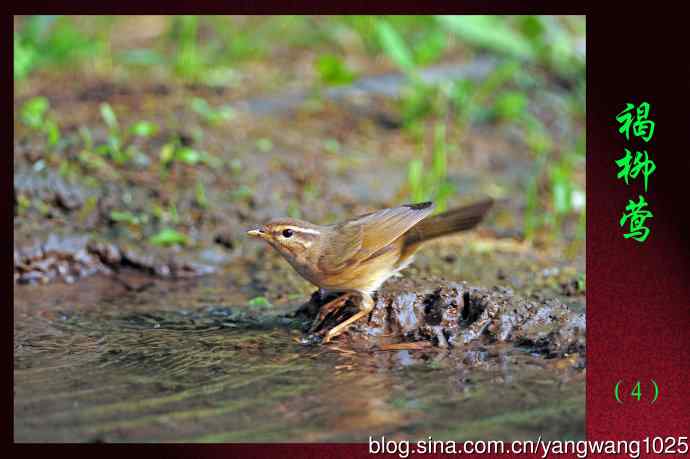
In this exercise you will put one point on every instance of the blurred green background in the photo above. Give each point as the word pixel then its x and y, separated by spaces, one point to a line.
pixel 534 93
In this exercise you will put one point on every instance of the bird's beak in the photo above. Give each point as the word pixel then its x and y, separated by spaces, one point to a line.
pixel 258 232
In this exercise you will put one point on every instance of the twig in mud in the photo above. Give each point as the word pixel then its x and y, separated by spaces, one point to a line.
pixel 342 351
pixel 419 345
pixel 341 367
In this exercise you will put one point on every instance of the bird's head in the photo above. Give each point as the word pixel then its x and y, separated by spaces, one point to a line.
pixel 291 237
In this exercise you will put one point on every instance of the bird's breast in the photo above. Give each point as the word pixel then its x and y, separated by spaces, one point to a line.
pixel 367 275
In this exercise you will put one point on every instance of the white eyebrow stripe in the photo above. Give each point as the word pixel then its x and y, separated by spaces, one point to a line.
pixel 303 230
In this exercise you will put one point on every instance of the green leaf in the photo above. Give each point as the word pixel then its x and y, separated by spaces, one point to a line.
pixel 225 113
pixel 34 110
pixel 200 194
pixel 124 216
pixel 167 153
pixel 189 62
pixel 532 27
pixel 25 57
pixel 537 137
pixel 510 105
pixel 489 32
pixel 414 179
pixel 209 114
pixel 430 47
pixel 259 302
pixel 169 236
pixel 103 150
pixel 394 46
pixel 562 200
pixel 114 149
pixel 86 137
pixel 144 129
pixel 23 202
pixel 200 106
pixel 461 93
pixel 333 70
pixel 188 155
pixel 417 102
pixel 53 131
pixel 445 190
pixel 109 116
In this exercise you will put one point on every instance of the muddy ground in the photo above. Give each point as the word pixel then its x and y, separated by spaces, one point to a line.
pixel 117 339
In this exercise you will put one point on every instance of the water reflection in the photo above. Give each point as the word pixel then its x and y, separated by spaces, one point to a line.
pixel 110 366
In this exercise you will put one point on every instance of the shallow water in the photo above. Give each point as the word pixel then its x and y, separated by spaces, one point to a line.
pixel 185 361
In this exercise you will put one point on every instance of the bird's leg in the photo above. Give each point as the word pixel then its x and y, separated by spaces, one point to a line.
pixel 365 307
pixel 328 308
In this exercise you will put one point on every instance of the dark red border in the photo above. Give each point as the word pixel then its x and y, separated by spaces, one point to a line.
pixel 638 294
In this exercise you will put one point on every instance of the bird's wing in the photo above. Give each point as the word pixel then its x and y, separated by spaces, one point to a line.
pixel 357 239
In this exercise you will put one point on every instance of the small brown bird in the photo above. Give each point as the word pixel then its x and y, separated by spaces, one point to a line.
pixel 358 255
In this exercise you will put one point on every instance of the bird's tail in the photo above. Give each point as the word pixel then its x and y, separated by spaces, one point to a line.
pixel 452 221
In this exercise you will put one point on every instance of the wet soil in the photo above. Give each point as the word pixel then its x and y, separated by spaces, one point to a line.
pixel 117 339
pixel 447 315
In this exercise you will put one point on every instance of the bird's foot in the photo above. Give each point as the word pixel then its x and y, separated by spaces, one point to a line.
pixel 327 309
pixel 364 309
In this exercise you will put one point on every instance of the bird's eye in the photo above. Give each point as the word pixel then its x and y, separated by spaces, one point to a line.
pixel 287 233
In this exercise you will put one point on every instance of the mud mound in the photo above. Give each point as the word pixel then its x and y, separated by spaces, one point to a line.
pixel 74 256
pixel 452 314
